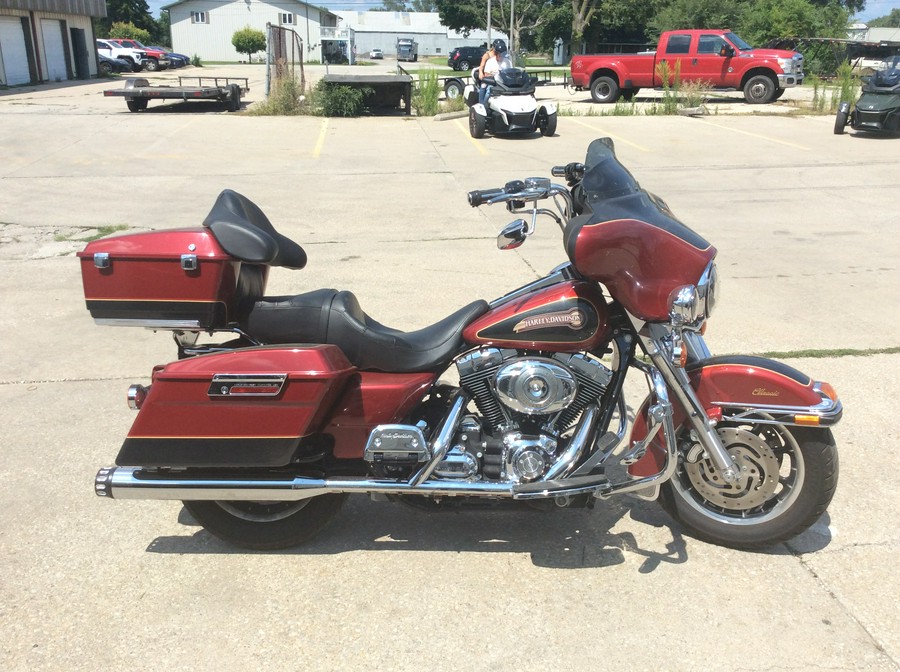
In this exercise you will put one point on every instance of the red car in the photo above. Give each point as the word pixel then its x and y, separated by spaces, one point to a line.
pixel 156 59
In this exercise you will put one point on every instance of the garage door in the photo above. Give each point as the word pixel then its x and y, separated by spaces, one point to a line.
pixel 54 51
pixel 12 47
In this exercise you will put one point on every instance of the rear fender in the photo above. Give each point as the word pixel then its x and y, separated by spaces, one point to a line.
pixel 735 387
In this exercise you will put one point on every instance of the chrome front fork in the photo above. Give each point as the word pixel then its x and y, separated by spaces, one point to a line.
pixel 677 379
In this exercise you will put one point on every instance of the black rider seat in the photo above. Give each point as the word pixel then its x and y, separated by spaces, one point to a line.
pixel 330 316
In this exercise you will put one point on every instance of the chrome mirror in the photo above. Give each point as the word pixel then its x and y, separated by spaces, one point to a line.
pixel 513 235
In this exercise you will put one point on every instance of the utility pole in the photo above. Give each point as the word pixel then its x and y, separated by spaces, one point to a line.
pixel 489 24
pixel 512 13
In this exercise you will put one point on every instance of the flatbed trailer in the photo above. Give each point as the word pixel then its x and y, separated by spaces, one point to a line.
pixel 138 93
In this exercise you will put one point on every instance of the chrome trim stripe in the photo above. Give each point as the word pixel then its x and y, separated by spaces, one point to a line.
pixel 148 324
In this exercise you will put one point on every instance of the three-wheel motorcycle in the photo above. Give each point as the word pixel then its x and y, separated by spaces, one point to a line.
pixel 298 401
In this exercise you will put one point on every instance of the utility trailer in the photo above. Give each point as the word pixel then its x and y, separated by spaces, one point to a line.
pixel 228 90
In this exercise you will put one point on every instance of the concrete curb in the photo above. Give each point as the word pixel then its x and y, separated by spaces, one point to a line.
pixel 445 116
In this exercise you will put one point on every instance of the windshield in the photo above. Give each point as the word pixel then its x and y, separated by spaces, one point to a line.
pixel 887 74
pixel 738 42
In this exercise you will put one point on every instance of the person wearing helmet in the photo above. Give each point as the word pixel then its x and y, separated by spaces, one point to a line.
pixel 491 68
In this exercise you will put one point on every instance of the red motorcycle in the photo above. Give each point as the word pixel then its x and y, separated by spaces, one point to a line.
pixel 309 399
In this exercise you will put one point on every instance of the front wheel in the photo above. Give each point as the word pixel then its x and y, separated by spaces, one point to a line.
pixel 840 119
pixel 759 89
pixel 477 124
pixel 547 124
pixel 266 526
pixel 788 477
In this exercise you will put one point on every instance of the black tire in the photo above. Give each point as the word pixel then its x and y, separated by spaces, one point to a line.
pixel 463 65
pixel 234 98
pixel 840 119
pixel 789 476
pixel 151 64
pixel 453 89
pixel 629 94
pixel 547 124
pixel 266 526
pixel 604 90
pixel 105 68
pixel 137 105
pixel 778 94
pixel 759 89
pixel 477 123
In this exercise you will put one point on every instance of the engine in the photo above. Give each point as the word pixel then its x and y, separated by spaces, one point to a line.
pixel 526 402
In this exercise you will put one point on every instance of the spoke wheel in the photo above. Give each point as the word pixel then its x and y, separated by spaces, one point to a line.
pixel 787 478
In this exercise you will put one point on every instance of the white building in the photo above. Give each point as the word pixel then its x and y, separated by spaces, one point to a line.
pixel 47 40
pixel 205 27
pixel 381 30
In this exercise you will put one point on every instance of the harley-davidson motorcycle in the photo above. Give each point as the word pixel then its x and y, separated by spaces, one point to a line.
pixel 307 398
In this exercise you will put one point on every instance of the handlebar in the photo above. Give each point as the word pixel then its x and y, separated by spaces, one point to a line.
pixel 532 189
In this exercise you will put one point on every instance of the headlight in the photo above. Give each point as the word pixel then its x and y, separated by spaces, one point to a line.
pixel 690 305
pixel 787 65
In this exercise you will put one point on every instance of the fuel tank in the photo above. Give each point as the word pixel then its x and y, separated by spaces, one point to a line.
pixel 566 317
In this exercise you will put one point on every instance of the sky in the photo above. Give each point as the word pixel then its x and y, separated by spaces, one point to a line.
pixel 874 8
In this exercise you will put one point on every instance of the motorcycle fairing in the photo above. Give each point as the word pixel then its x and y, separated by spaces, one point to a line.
pixel 737 385
pixel 623 232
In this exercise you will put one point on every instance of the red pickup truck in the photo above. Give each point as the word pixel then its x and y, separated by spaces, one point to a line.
pixel 717 57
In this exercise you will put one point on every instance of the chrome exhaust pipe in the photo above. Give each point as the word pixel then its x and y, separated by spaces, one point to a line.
pixel 138 483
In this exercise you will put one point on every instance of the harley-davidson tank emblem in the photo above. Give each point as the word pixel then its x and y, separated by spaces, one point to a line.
pixel 574 319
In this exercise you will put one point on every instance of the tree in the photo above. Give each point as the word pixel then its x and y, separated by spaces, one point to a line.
pixel 682 14
pixel 891 20
pixel 136 12
pixel 248 41
pixel 765 20
pixel 129 31
pixel 583 12
pixel 412 6
pixel 468 15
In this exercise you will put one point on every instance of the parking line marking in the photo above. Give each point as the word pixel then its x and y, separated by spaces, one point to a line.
pixel 757 135
pixel 321 141
pixel 614 137
pixel 465 132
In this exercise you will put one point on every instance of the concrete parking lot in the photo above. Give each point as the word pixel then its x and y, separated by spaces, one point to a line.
pixel 806 227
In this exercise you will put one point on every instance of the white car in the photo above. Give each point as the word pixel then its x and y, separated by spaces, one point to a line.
pixel 135 57
pixel 376 53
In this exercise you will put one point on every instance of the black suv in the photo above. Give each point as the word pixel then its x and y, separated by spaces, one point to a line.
pixel 465 58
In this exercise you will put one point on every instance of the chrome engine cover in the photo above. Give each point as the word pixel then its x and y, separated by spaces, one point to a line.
pixel 535 386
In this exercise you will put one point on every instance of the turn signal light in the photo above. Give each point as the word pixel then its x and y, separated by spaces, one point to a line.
pixel 828 390
pixel 806 419
pixel 136 396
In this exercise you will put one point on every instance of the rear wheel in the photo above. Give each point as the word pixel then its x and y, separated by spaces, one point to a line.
pixel 604 90
pixel 629 94
pixel 151 64
pixel 266 525
pixel 463 65
pixel 788 477
pixel 234 98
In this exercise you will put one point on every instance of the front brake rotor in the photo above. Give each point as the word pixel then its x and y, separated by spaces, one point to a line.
pixel 758 470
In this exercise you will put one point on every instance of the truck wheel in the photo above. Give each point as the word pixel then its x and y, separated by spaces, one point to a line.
pixel 152 65
pixel 604 90
pixel 463 65
pixel 453 89
pixel 629 94
pixel 759 89
pixel 840 120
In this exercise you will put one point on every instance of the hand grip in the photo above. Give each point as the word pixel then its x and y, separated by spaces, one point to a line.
pixel 482 196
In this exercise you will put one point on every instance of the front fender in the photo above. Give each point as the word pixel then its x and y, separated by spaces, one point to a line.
pixel 549 107
pixel 733 387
